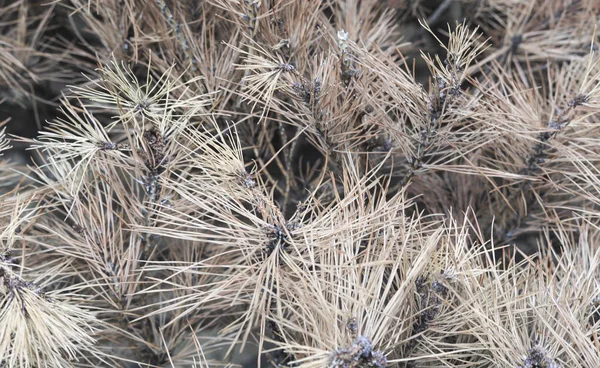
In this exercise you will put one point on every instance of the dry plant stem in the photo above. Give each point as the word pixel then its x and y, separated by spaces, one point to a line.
pixel 252 18
pixel 176 29
pixel 310 94
pixel 539 153
pixel 441 97
pixel 439 11
pixel 288 174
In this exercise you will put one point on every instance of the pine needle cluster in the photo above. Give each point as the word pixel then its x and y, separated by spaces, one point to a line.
pixel 315 184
